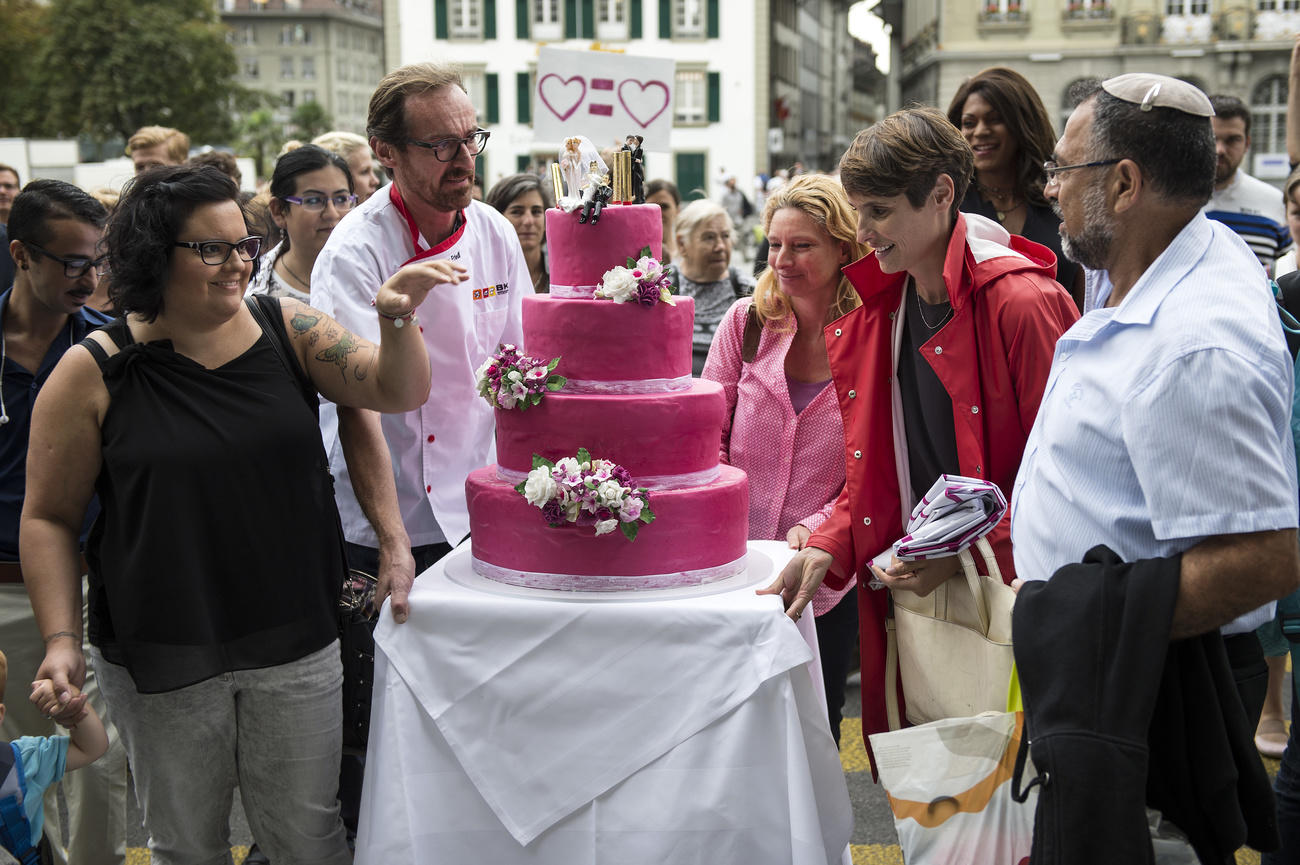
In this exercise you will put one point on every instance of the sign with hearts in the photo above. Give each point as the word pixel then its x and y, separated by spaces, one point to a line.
pixel 605 96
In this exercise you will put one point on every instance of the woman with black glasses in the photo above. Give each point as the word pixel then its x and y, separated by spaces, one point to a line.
pixel 217 560
pixel 311 190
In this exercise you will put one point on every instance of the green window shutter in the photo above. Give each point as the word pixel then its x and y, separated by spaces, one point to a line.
pixel 521 19
pixel 570 19
pixel 489 19
pixel 480 171
pixel 712 20
pixel 440 19
pixel 493 98
pixel 690 175
pixel 634 19
pixel 522 162
pixel 665 19
pixel 715 97
pixel 588 19
pixel 523 98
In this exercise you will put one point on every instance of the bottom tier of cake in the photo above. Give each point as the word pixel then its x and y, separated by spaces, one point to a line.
pixel 698 536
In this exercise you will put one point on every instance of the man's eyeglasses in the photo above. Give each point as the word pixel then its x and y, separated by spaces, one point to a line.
pixel 445 149
pixel 75 266
pixel 1053 171
pixel 216 252
pixel 316 203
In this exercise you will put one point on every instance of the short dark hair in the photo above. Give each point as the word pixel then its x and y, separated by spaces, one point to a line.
pixel 1173 149
pixel 386 119
pixel 507 189
pixel 144 227
pixel 1014 99
pixel 1227 107
pixel 904 154
pixel 661 184
pixel 43 201
pixel 222 160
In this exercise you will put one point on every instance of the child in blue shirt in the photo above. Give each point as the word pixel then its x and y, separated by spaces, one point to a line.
pixel 30 764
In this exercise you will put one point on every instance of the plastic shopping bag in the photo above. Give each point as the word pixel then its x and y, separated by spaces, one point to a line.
pixel 949 785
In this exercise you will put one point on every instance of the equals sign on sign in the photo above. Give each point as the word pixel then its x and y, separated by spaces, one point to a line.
pixel 602 84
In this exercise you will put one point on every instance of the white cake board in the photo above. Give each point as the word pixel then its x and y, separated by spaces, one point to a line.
pixel 457 565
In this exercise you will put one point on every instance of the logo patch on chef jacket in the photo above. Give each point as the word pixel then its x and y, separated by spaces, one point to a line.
pixel 491 291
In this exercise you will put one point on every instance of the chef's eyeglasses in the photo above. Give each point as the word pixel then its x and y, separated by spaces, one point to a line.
pixel 445 149
pixel 217 252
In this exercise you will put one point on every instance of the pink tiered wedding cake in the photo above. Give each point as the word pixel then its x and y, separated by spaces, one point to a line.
pixel 628 418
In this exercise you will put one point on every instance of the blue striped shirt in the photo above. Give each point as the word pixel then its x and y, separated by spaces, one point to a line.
pixel 1165 420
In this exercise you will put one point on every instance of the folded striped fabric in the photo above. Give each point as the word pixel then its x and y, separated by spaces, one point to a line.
pixel 955 513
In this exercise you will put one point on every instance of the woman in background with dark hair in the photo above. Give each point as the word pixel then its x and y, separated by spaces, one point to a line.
pixel 216 562
pixel 311 190
pixel 523 200
pixel 664 193
pixel 1003 120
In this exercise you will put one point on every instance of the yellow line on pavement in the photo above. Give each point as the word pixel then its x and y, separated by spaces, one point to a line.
pixel 876 854
pixel 140 855
pixel 853 753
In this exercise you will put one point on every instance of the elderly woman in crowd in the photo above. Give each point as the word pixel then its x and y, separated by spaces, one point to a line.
pixel 524 201
pixel 783 423
pixel 216 562
pixel 1003 120
pixel 702 269
pixel 939 371
pixel 311 190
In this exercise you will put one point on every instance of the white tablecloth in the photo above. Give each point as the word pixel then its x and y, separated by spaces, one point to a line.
pixel 517 726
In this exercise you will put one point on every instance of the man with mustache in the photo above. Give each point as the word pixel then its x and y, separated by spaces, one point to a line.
pixel 1164 429
pixel 54 230
pixel 1252 208
pixel 401 490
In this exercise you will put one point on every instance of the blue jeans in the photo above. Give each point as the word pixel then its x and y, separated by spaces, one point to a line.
pixel 275 732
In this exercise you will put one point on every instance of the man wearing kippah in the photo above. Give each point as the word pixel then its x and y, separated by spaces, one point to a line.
pixel 1163 434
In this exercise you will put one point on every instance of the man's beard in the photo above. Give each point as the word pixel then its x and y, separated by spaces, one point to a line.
pixel 1223 171
pixel 1091 246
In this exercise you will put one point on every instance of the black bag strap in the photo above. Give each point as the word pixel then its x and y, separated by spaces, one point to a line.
pixel 278 337
pixel 1289 299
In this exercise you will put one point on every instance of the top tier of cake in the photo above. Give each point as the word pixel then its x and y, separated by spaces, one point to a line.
pixel 607 347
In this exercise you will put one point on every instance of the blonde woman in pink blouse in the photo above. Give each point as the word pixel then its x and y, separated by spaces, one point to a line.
pixel 783 424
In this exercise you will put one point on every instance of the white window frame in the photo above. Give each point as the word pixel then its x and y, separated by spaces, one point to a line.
pixel 286 69
pixel 309 68
pixel 691 97
pixel 1268 115
pixel 612 20
pixel 252 68
pixel 1187 7
pixel 1088 8
pixel 464 19
pixel 690 18
pixel 475 80
pixel 546 20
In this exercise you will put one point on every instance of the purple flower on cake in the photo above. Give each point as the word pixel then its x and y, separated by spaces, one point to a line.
pixel 588 492
pixel 644 281
pixel 509 379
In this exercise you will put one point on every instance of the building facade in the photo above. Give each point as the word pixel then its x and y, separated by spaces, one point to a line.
pixel 326 51
pixel 1236 47
pixel 758 85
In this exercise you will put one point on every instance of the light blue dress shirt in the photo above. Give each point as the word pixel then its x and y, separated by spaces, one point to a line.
pixel 1166 419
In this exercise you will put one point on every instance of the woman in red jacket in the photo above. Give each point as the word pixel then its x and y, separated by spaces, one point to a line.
pixel 939 371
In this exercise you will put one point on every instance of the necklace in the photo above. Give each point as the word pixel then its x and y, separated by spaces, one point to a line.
pixel 921 311
pixel 304 283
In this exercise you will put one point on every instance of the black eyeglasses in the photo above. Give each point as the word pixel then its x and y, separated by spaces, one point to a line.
pixel 75 266
pixel 1053 171
pixel 316 203
pixel 445 149
pixel 216 252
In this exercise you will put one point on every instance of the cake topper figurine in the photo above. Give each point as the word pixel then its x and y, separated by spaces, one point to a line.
pixel 578 152
pixel 596 194
pixel 633 143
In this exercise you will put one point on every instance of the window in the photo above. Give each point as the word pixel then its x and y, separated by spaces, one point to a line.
pixel 342 70
pixel 1187 7
pixel 1279 5
pixel 691 97
pixel 476 86
pixel 309 67
pixel 1004 10
pixel 547 24
pixel 288 98
pixel 611 19
pixel 251 69
pixel 466 19
pixel 1087 9
pixel 688 18
pixel 286 67
pixel 308 96
pixel 1268 115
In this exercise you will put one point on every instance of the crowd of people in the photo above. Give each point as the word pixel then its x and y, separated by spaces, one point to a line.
pixel 1081 319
